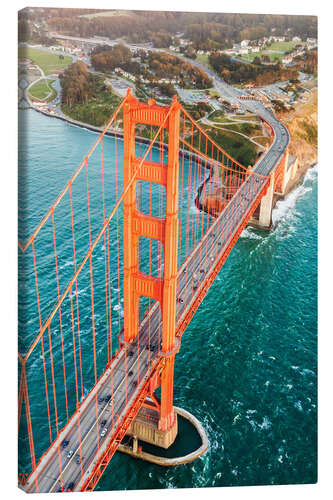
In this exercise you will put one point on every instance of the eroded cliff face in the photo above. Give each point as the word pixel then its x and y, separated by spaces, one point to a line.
pixel 303 128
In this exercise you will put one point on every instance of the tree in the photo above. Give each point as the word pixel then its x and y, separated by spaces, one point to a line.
pixel 118 56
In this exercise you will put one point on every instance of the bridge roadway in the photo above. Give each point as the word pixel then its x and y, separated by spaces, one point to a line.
pixel 121 390
pixel 113 383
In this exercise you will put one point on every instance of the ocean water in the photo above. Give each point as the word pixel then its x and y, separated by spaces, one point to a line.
pixel 247 368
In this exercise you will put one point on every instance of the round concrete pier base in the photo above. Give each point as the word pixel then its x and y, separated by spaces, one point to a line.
pixel 137 452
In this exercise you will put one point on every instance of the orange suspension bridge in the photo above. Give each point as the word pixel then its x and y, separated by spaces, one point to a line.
pixel 142 258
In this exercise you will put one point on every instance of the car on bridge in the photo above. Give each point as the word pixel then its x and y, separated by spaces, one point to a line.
pixel 70 453
pixel 70 487
pixel 65 443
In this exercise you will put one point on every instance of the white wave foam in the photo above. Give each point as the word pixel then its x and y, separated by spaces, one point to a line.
pixel 284 208
pixel 266 423
pixel 249 233
pixel 66 264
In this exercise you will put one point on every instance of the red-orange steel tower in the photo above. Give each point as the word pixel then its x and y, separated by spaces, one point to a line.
pixel 136 224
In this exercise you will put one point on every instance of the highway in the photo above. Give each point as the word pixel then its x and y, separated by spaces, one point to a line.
pixel 125 377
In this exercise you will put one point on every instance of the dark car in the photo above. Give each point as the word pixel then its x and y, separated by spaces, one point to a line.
pixel 70 487
pixel 103 423
pixel 130 373
pixel 108 397
pixel 77 459
pixel 130 353
pixel 65 443
pixel 100 400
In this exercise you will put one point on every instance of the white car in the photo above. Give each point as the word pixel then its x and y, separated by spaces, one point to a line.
pixel 70 453
pixel 104 431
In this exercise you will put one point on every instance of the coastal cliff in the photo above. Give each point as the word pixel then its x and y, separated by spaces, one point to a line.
pixel 303 127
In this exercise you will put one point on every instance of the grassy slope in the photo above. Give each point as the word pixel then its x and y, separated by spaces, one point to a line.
pixel 45 60
pixel 281 47
pixel 97 111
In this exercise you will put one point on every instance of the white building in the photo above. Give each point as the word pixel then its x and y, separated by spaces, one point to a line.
pixel 245 43
pixel 230 52
pixel 311 43
pixel 255 49
pixel 277 38
pixel 184 42
pixel 296 39
pixel 287 59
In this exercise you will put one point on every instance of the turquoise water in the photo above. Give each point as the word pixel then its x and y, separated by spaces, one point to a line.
pixel 247 366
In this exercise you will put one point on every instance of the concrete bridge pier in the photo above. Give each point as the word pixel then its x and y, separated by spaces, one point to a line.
pixel 262 216
pixel 282 180
pixel 145 429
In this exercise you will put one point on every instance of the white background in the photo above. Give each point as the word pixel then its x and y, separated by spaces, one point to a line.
pixel 8 231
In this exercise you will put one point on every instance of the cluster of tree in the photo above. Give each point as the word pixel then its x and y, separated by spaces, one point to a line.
pixel 279 105
pixel 28 32
pixel 24 30
pixel 235 72
pixel 161 39
pixel 111 58
pixel 198 110
pixel 265 59
pixel 210 35
pixel 76 84
pixel 164 65
pixel 167 89
pixel 253 33
pixel 206 30
pixel 308 62
pixel 157 65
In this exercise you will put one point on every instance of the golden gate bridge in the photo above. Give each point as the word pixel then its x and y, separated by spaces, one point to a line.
pixel 159 289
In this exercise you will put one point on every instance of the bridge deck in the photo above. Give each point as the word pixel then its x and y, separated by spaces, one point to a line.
pixel 124 379
pixel 136 361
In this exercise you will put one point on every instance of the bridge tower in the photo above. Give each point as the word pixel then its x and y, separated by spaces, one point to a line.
pixel 136 224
